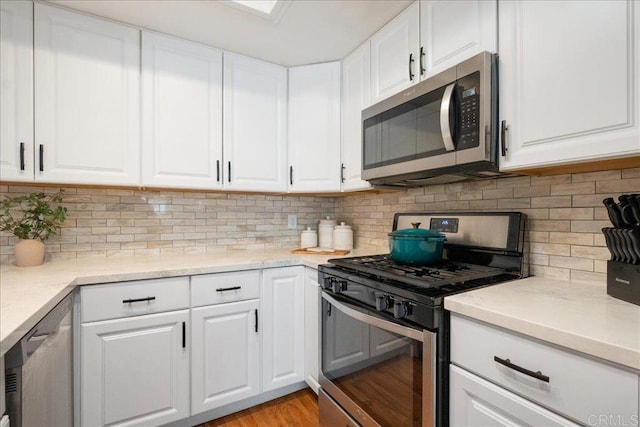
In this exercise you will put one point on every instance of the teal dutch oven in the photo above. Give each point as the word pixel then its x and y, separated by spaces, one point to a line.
pixel 416 245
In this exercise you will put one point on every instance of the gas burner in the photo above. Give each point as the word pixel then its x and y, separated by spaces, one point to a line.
pixel 433 276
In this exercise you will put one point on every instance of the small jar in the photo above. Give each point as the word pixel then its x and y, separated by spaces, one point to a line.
pixel 343 237
pixel 325 232
pixel 308 238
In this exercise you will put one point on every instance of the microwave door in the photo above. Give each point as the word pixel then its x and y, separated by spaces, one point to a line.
pixel 410 137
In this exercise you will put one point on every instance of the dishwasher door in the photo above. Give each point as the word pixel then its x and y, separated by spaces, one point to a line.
pixel 39 372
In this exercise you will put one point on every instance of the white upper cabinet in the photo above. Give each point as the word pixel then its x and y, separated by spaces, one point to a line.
pixel 87 99
pixel 314 128
pixel 181 113
pixel 395 53
pixel 356 96
pixel 255 120
pixel 452 31
pixel 16 95
pixel 569 78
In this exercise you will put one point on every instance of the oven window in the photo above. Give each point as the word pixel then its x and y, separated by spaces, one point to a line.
pixel 379 371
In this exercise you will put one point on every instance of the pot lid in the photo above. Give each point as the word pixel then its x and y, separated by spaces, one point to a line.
pixel 415 232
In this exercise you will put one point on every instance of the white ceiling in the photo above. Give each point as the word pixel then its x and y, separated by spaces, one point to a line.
pixel 301 32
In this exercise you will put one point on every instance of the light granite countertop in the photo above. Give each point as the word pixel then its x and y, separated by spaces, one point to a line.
pixel 27 294
pixel 575 315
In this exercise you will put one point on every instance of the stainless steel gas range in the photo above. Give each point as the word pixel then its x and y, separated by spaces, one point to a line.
pixel 385 333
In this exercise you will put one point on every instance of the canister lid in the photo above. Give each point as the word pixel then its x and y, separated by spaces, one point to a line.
pixel 343 226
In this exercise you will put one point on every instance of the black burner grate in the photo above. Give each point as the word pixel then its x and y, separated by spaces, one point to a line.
pixel 434 276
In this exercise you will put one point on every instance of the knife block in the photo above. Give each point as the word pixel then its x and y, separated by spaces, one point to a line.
pixel 623 281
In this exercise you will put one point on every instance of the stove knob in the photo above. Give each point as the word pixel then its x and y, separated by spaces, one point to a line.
pixel 338 286
pixel 383 302
pixel 401 309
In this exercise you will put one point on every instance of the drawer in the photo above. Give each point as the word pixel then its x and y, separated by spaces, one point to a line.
pixel 219 288
pixel 579 387
pixel 124 299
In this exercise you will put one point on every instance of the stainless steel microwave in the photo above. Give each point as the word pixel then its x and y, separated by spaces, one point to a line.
pixel 443 129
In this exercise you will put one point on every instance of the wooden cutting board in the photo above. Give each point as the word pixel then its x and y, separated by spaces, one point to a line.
pixel 323 252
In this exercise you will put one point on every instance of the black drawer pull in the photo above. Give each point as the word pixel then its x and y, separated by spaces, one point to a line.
pixel 41 155
pixel 129 301
pixel 537 375
pixel 184 334
pixel 218 170
pixel 233 288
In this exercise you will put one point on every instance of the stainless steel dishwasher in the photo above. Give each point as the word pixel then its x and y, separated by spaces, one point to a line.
pixel 39 372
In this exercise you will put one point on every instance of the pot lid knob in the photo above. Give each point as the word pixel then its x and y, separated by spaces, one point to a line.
pixel 416 224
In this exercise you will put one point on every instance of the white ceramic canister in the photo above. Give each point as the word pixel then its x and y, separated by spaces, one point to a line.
pixel 343 237
pixel 325 232
pixel 308 238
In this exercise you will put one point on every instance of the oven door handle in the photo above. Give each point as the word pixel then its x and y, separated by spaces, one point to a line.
pixel 445 126
pixel 375 321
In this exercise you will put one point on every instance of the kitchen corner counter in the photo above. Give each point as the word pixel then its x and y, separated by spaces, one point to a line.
pixel 579 316
pixel 27 294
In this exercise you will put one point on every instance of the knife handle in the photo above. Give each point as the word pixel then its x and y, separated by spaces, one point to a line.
pixel 613 210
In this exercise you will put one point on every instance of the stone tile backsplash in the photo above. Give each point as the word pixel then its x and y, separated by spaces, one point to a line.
pixel 563 239
pixel 565 212
pixel 114 222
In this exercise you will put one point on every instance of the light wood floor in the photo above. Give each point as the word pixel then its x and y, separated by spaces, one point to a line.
pixel 295 409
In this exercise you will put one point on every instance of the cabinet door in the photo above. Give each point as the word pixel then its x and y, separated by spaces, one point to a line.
pixel 87 99
pixel 255 117
pixel 395 54
pixel 356 96
pixel 476 402
pixel 226 354
pixel 569 73
pixel 135 371
pixel 452 31
pixel 16 96
pixel 181 113
pixel 311 328
pixel 314 128
pixel 282 327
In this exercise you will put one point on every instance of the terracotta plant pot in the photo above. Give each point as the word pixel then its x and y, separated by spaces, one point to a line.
pixel 29 253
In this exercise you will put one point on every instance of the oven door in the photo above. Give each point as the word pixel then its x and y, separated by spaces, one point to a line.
pixel 380 372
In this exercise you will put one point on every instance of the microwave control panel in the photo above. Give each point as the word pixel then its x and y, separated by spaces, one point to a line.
pixel 469 111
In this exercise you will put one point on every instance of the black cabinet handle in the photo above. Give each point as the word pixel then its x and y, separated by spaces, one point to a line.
pixel 256 314
pixel 22 156
pixel 217 170
pixel 342 173
pixel 41 158
pixel 290 175
pixel 411 61
pixel 506 362
pixel 129 301
pixel 233 288
pixel 184 334
pixel 229 175
pixel 422 54
pixel 503 135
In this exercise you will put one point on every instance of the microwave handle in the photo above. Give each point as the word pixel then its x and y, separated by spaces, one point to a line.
pixel 445 107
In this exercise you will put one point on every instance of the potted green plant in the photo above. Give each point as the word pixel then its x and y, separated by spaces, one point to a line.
pixel 32 219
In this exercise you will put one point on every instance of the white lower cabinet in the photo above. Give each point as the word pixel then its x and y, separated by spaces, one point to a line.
pixel 311 328
pixel 282 327
pixel 226 354
pixel 135 371
pixel 521 376
pixel 476 402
